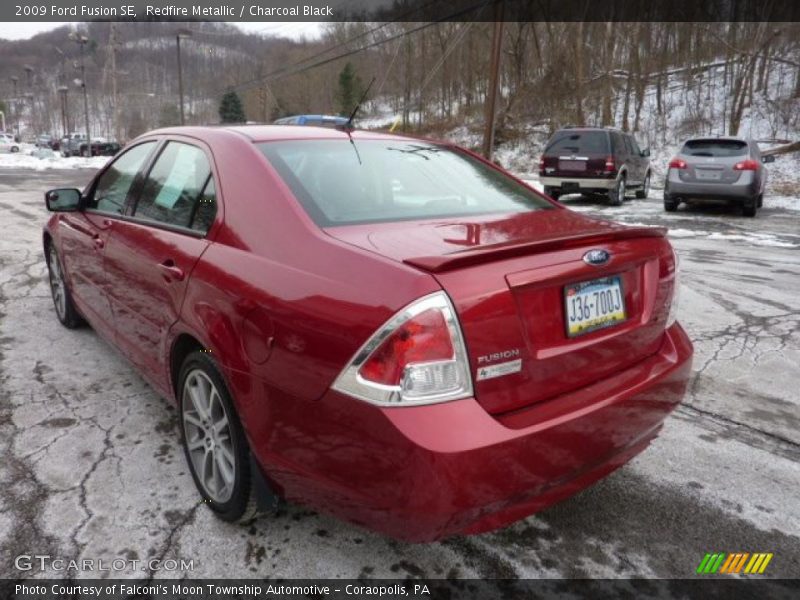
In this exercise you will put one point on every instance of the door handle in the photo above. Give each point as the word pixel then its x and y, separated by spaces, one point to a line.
pixel 170 271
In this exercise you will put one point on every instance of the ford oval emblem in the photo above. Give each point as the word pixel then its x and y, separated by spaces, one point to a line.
pixel 596 257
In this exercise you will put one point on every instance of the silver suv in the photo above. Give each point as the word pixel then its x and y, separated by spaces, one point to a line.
pixel 717 168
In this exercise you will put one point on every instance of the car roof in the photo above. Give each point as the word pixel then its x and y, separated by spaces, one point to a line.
pixel 268 133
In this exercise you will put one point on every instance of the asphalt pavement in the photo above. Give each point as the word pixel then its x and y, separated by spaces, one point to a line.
pixel 92 466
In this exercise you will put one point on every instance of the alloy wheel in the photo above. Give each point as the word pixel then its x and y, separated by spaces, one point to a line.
pixel 208 436
pixel 57 285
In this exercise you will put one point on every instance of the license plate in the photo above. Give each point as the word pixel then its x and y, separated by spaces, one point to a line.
pixel 708 175
pixel 572 165
pixel 594 305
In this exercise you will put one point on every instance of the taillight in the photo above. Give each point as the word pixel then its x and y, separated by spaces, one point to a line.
pixel 677 163
pixel 610 166
pixel 417 357
pixel 746 165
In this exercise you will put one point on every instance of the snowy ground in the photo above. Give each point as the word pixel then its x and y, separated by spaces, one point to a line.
pixel 26 160
pixel 91 464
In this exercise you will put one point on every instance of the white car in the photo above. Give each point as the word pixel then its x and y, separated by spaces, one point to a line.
pixel 7 143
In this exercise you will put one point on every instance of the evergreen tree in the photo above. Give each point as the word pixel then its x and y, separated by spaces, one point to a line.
pixel 169 116
pixel 350 90
pixel 231 109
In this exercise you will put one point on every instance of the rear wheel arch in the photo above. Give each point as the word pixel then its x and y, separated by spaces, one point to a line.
pixel 182 347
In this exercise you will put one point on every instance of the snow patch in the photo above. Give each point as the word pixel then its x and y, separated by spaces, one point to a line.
pixel 27 161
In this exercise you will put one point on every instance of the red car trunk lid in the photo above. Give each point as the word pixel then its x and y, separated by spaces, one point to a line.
pixel 507 280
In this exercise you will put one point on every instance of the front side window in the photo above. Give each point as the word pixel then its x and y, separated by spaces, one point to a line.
pixel 113 186
pixel 173 191
pixel 340 182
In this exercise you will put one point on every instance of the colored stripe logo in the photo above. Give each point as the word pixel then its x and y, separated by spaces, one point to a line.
pixel 735 562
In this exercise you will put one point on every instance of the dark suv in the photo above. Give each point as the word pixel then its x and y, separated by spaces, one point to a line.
pixel 594 160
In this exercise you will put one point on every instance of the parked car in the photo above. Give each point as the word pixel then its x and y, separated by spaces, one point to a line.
pixel 595 161
pixel 75 145
pixel 313 120
pixel 391 330
pixel 717 168
pixel 8 143
pixel 45 141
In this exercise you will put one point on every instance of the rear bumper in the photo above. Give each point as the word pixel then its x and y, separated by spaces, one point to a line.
pixel 745 189
pixel 423 473
pixel 586 184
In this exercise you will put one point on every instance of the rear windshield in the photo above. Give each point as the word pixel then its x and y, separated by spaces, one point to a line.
pixel 343 183
pixel 578 142
pixel 718 148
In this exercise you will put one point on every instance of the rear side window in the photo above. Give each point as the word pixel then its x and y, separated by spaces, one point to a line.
pixel 716 148
pixel 175 189
pixel 114 184
pixel 578 142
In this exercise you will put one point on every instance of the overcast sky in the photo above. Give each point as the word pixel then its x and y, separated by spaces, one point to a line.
pixel 21 31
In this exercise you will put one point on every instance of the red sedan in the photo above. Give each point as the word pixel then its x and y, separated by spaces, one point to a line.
pixel 391 330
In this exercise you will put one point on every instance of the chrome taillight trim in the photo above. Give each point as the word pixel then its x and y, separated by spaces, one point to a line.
pixel 351 383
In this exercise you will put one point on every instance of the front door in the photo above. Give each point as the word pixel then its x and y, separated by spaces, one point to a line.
pixel 84 234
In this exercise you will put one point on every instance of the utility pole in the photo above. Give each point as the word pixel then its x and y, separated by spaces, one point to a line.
pixel 81 40
pixel 62 92
pixel 494 80
pixel 183 33
pixel 29 95
pixel 14 80
pixel 112 43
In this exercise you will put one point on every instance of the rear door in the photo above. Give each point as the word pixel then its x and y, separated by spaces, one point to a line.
pixel 712 160
pixel 84 234
pixel 151 254
pixel 577 153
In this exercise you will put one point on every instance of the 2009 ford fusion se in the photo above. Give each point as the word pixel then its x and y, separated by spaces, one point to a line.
pixel 390 330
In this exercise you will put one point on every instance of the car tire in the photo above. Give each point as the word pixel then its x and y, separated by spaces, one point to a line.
pixel 616 195
pixel 750 207
pixel 760 201
pixel 670 205
pixel 645 191
pixel 66 312
pixel 14 149
pixel 552 192
pixel 213 440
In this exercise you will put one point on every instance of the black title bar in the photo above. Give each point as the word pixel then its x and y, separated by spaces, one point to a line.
pixel 400 10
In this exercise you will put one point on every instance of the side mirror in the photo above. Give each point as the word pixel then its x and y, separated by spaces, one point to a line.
pixel 63 200
pixel 646 152
pixel 768 158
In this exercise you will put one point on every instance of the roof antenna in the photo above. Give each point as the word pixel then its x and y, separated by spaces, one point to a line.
pixel 348 127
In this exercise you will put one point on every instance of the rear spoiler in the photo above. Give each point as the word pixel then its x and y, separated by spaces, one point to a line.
pixel 481 254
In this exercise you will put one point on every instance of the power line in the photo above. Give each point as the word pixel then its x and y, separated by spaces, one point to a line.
pixel 296 69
